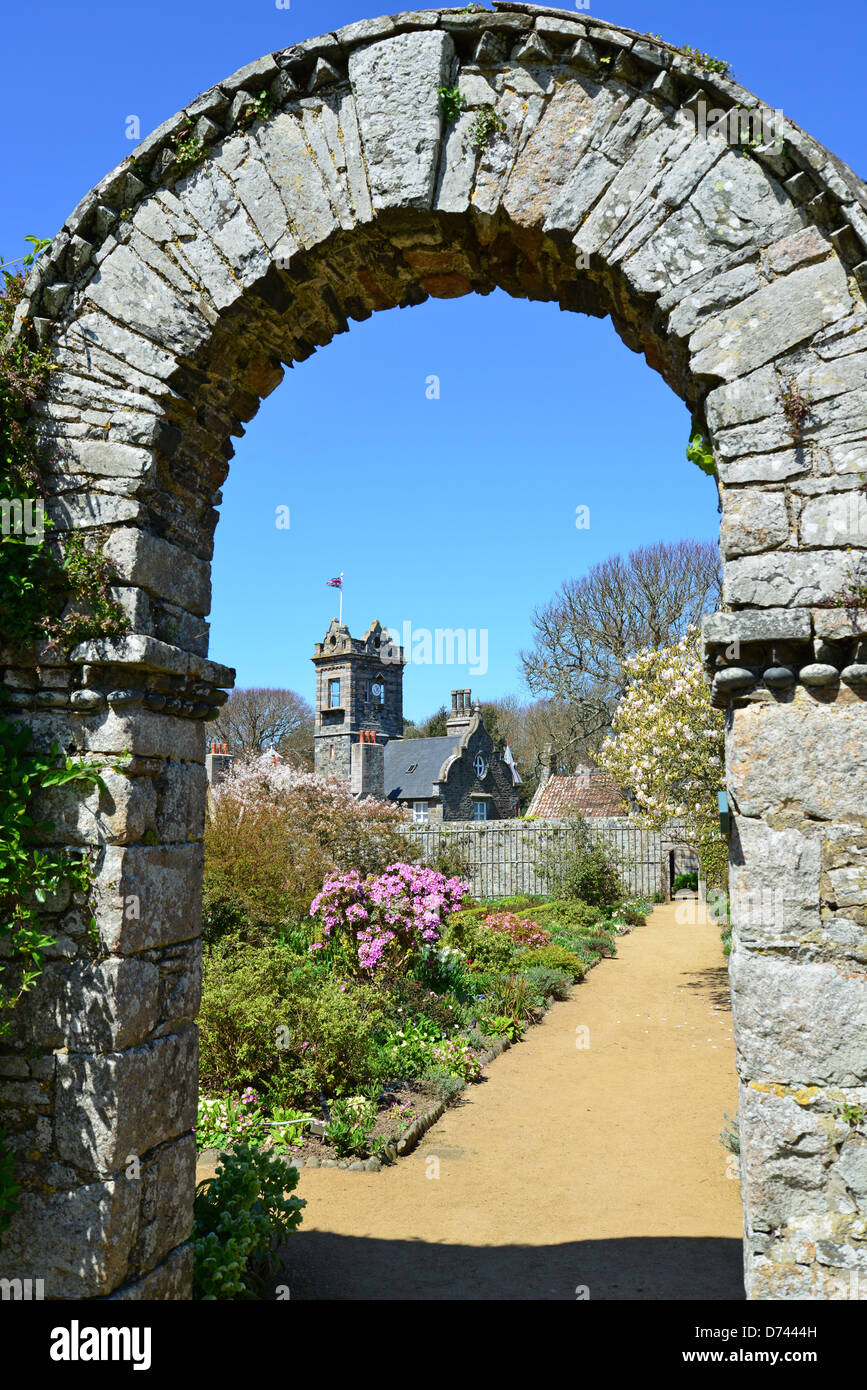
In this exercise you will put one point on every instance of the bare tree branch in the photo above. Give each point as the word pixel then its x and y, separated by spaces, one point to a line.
pixel 255 719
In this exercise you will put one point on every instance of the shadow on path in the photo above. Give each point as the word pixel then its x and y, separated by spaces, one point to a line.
pixel 319 1265
pixel 713 983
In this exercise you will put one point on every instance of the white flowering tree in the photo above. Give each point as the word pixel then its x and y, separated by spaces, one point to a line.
pixel 668 747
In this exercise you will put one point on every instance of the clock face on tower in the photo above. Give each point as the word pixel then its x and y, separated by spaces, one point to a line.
pixel 377 692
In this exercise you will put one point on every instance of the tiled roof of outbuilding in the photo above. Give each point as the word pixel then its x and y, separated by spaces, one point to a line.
pixel 590 793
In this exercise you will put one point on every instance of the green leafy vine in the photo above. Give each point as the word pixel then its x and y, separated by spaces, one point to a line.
pixel 55 592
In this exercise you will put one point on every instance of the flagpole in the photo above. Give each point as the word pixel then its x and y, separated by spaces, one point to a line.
pixel 340 619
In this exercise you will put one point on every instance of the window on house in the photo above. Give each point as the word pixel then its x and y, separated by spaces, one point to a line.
pixel 334 693
pixel 421 812
pixel 480 810
pixel 413 767
pixel 480 767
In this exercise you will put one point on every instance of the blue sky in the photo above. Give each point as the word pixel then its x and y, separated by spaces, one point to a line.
pixel 450 513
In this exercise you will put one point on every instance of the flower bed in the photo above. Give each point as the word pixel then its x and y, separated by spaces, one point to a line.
pixel 385 1008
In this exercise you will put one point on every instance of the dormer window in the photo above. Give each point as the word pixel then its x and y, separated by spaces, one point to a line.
pixel 480 767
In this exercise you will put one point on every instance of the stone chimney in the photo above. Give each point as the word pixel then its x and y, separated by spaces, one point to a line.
pixel 549 764
pixel 458 721
pixel 218 761
pixel 367 772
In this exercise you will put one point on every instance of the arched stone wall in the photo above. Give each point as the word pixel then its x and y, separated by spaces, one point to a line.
pixel 173 298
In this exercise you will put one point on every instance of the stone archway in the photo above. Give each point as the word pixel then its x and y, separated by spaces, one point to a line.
pixel 312 188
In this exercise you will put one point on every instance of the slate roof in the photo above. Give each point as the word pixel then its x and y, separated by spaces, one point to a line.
pixel 590 793
pixel 427 755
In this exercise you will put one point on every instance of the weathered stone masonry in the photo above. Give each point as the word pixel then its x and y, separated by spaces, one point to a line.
pixel 173 298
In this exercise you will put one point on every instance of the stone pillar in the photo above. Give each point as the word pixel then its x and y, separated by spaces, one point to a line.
pixel 368 770
pixel 796 740
pixel 98 1079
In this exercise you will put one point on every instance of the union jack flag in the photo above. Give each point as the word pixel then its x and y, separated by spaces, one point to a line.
pixel 336 583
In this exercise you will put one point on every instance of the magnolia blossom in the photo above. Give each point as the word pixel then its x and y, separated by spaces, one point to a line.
pixel 668 742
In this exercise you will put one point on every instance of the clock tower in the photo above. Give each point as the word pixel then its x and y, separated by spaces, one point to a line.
pixel 359 695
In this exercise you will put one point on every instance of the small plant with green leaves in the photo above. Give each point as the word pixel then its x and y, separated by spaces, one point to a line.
pixel 261 109
pixel 501 1026
pixel 852 1115
pixel 704 60
pixel 188 149
pixel 287 1127
pixel 486 125
pixel 240 1218
pixel 39 244
pixel 351 1124
pixel 853 594
pixel 699 452
pixel 451 103
pixel 796 405
pixel 729 1135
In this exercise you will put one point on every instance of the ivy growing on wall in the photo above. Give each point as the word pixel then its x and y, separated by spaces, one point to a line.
pixel 54 592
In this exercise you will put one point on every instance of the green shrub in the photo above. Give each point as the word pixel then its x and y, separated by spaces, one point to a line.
pixel 685 881
pixel 338 1021
pixel 518 903
pixel 279 1021
pixel 243 1006
pixel 450 859
pixel 444 1084
pixel 599 943
pixel 555 957
pixel 584 870
pixel 239 1216
pixel 546 980
pixel 568 914
pixel 492 951
pixel 407 1051
pixel 461 927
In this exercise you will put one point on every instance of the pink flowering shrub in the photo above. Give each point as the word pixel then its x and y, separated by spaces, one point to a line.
pixel 522 931
pixel 385 919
